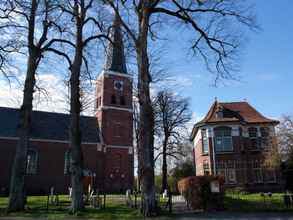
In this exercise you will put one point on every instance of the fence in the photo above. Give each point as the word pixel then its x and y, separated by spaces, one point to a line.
pixel 101 201
pixel 241 201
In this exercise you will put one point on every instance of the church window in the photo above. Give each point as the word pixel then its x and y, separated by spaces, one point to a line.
pixel 113 99
pixel 67 162
pixel 31 161
pixel 122 100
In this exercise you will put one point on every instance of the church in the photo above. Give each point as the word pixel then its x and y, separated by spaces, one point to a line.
pixel 107 137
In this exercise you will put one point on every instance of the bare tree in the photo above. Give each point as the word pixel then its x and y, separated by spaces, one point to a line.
pixel 216 37
pixel 79 15
pixel 30 21
pixel 171 117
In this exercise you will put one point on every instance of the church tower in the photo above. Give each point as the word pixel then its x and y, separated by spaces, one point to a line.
pixel 115 115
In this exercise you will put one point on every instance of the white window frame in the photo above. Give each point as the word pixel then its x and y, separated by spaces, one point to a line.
pixel 221 147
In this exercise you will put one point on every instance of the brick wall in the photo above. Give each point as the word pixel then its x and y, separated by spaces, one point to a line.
pixel 50 170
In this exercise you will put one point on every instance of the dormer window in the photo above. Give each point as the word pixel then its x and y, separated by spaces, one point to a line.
pixel 220 114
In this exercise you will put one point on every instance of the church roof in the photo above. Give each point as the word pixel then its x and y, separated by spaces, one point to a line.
pixel 48 125
pixel 115 58
pixel 241 112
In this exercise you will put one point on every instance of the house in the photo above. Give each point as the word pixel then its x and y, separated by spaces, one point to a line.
pixel 237 142
pixel 107 141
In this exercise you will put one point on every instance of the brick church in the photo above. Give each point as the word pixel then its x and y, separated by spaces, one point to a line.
pixel 107 138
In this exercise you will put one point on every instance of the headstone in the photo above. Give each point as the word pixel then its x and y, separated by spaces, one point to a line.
pixel 128 198
pixel 165 194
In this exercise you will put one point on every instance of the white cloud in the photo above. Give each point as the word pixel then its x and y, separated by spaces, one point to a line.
pixel 51 94
pixel 195 117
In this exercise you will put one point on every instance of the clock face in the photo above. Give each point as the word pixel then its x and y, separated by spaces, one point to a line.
pixel 118 85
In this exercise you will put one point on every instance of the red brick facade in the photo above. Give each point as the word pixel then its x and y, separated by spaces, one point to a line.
pixel 241 156
pixel 110 161
pixel 116 122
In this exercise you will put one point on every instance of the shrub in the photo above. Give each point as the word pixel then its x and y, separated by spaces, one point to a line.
pixel 197 192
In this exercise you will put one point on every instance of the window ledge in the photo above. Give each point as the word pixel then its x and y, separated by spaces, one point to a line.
pixel 271 182
pixel 205 154
pixel 225 152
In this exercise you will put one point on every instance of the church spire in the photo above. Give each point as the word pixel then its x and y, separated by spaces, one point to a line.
pixel 115 58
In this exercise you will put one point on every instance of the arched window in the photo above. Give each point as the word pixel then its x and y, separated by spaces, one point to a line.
pixel 113 99
pixel 67 162
pixel 223 139
pixel 122 100
pixel 31 161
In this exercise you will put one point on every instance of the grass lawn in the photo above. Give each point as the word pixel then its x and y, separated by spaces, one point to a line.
pixel 255 202
pixel 37 208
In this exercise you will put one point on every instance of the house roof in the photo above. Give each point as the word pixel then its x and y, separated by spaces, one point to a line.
pixel 223 112
pixel 48 125
pixel 115 58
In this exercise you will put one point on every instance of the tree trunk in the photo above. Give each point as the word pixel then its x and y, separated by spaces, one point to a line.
pixel 17 181
pixel 74 133
pixel 146 122
pixel 164 167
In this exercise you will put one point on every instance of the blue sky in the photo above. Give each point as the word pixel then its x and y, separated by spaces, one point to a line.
pixel 266 67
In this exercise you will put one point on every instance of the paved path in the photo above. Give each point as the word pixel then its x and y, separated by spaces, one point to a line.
pixel 207 216
pixel 233 216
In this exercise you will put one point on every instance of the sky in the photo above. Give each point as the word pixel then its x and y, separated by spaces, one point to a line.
pixel 266 66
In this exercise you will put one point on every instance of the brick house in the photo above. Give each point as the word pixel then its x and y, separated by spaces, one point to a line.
pixel 235 141
pixel 107 141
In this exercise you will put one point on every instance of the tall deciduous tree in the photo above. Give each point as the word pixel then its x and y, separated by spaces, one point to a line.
pixel 32 21
pixel 86 29
pixel 171 116
pixel 215 36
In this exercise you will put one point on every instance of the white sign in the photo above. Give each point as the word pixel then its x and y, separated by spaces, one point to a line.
pixel 215 186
